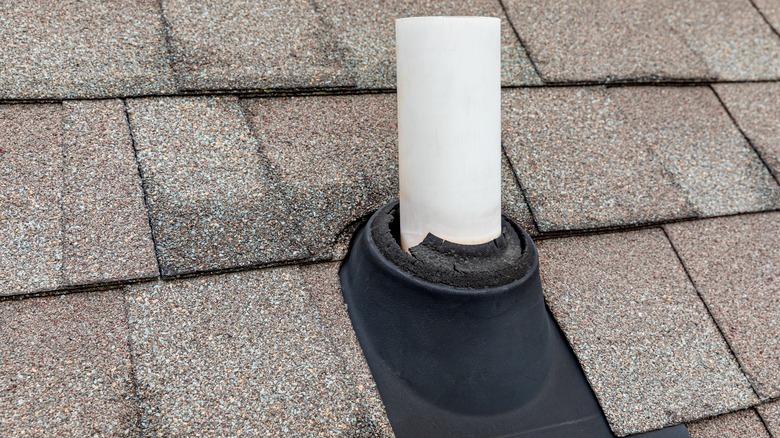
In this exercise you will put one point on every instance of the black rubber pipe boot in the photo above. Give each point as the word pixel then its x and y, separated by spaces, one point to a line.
pixel 459 339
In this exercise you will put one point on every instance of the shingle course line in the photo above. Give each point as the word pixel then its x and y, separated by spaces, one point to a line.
pixel 766 20
pixel 521 40
pixel 709 312
pixel 143 186
pixel 133 374
pixel 522 189
pixel 744 134
pixel 108 286
pixel 350 91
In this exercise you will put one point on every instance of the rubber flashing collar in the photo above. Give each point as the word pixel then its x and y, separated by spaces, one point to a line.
pixel 495 263
pixel 465 361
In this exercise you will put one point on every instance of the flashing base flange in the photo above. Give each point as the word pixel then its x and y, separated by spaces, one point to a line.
pixel 466 362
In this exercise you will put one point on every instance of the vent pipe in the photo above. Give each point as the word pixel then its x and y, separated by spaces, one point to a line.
pixel 449 128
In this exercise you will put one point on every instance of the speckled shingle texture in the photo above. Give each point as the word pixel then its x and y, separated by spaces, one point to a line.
pixel 703 152
pixel 66 367
pixel 755 107
pixel 735 264
pixel 742 424
pixel 366 28
pixel 600 40
pixel 252 45
pixel 648 347
pixel 770 412
pixel 214 203
pixel 31 190
pixel 106 226
pixel 82 49
pixel 730 36
pixel 646 40
pixel 337 156
pixel 592 157
pixel 72 209
pixel 771 11
pixel 242 353
pixel 581 164
pixel 513 202
pixel 323 284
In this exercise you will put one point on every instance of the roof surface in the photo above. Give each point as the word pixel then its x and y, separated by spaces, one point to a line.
pixel 180 180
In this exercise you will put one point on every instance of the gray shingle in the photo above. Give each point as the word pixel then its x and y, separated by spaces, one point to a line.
pixel 740 424
pixel 82 49
pixel 596 40
pixel 31 190
pixel 322 283
pixel 366 28
pixel 593 157
pixel 252 45
pixel 648 347
pixel 700 148
pixel 513 202
pixel 770 412
pixel 72 210
pixel 213 201
pixel 734 263
pixel 241 353
pixel 755 108
pixel 730 36
pixel 106 226
pixel 647 40
pixel 771 10
pixel 66 367
pixel 337 156
pixel 580 162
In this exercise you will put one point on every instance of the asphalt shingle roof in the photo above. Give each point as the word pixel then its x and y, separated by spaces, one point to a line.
pixel 745 423
pixel 78 49
pixel 770 413
pixel 239 145
pixel 630 314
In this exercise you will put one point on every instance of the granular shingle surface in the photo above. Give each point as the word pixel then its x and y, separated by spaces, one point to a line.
pixel 598 156
pixel 598 40
pixel 107 235
pixel 335 154
pixel 214 203
pixel 580 162
pixel 66 367
pixel 31 188
pixel 755 107
pixel 322 283
pixel 241 353
pixel 256 136
pixel 770 9
pixel 730 36
pixel 647 40
pixel 513 202
pixel 735 264
pixel 366 29
pixel 82 48
pixel 72 211
pixel 700 148
pixel 252 45
pixel 770 412
pixel 338 158
pixel 741 424
pixel 648 347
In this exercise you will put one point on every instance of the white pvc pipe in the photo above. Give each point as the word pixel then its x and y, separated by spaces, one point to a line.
pixel 449 128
